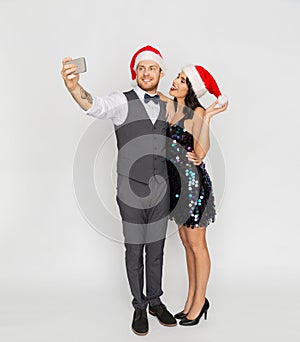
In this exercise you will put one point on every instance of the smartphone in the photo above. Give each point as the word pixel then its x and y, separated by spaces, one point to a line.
pixel 80 65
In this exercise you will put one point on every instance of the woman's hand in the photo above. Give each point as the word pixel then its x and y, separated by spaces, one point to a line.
pixel 212 110
pixel 192 157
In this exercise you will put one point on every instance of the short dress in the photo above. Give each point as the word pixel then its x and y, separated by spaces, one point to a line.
pixel 192 202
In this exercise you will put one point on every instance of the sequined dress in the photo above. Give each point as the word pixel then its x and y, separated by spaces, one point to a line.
pixel 191 195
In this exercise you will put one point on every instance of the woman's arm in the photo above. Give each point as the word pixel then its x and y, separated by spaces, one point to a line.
pixel 201 128
pixel 201 132
pixel 170 108
pixel 163 97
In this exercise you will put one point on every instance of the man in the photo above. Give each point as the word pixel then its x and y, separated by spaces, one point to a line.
pixel 142 185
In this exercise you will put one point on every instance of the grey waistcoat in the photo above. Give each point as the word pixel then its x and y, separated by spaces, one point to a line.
pixel 141 145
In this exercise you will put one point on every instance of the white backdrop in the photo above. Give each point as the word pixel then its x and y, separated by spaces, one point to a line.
pixel 60 279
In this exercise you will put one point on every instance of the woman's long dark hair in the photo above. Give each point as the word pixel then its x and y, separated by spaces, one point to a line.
pixel 191 101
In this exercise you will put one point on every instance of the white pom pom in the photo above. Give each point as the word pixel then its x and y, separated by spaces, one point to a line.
pixel 222 99
pixel 133 83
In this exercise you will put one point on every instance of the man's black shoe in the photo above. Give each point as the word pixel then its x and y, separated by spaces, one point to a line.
pixel 140 324
pixel 164 316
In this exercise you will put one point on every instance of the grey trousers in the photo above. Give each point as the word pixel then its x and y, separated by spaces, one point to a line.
pixel 144 210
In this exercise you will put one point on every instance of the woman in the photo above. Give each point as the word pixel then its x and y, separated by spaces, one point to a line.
pixel 192 200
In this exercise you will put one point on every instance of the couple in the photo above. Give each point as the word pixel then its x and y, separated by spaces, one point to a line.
pixel 160 175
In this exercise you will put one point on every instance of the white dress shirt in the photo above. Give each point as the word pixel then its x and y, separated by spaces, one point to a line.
pixel 115 107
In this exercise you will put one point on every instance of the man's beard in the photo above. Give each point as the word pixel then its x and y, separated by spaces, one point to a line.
pixel 152 88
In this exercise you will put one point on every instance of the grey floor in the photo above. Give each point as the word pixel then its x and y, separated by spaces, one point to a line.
pixel 236 314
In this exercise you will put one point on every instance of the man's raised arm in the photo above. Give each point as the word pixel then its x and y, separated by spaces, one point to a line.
pixel 81 96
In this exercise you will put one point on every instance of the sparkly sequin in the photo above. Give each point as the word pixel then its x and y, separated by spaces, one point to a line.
pixel 192 199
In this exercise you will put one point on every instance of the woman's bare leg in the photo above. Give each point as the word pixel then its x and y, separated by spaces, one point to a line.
pixel 197 242
pixel 190 261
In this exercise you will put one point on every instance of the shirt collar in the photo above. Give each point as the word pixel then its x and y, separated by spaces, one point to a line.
pixel 141 93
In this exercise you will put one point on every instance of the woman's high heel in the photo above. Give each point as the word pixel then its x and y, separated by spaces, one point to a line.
pixel 180 315
pixel 190 322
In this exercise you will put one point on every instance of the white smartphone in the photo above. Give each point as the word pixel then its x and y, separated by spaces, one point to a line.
pixel 80 65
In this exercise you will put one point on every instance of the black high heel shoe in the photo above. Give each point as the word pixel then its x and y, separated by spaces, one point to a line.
pixel 180 315
pixel 190 322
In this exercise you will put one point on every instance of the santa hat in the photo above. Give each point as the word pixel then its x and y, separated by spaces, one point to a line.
pixel 202 81
pixel 146 53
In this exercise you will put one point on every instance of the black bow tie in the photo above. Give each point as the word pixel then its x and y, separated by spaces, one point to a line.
pixel 148 98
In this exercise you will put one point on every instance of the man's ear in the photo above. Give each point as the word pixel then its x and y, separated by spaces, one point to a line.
pixel 162 74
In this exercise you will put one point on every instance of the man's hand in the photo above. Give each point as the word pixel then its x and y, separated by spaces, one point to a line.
pixel 81 96
pixel 71 80
pixel 192 157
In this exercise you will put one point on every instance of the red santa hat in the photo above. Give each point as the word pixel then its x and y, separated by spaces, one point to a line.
pixel 146 53
pixel 202 81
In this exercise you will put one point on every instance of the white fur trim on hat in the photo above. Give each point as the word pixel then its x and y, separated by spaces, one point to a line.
pixel 149 55
pixel 195 79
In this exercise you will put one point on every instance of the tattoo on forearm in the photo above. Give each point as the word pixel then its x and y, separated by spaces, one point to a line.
pixel 86 96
